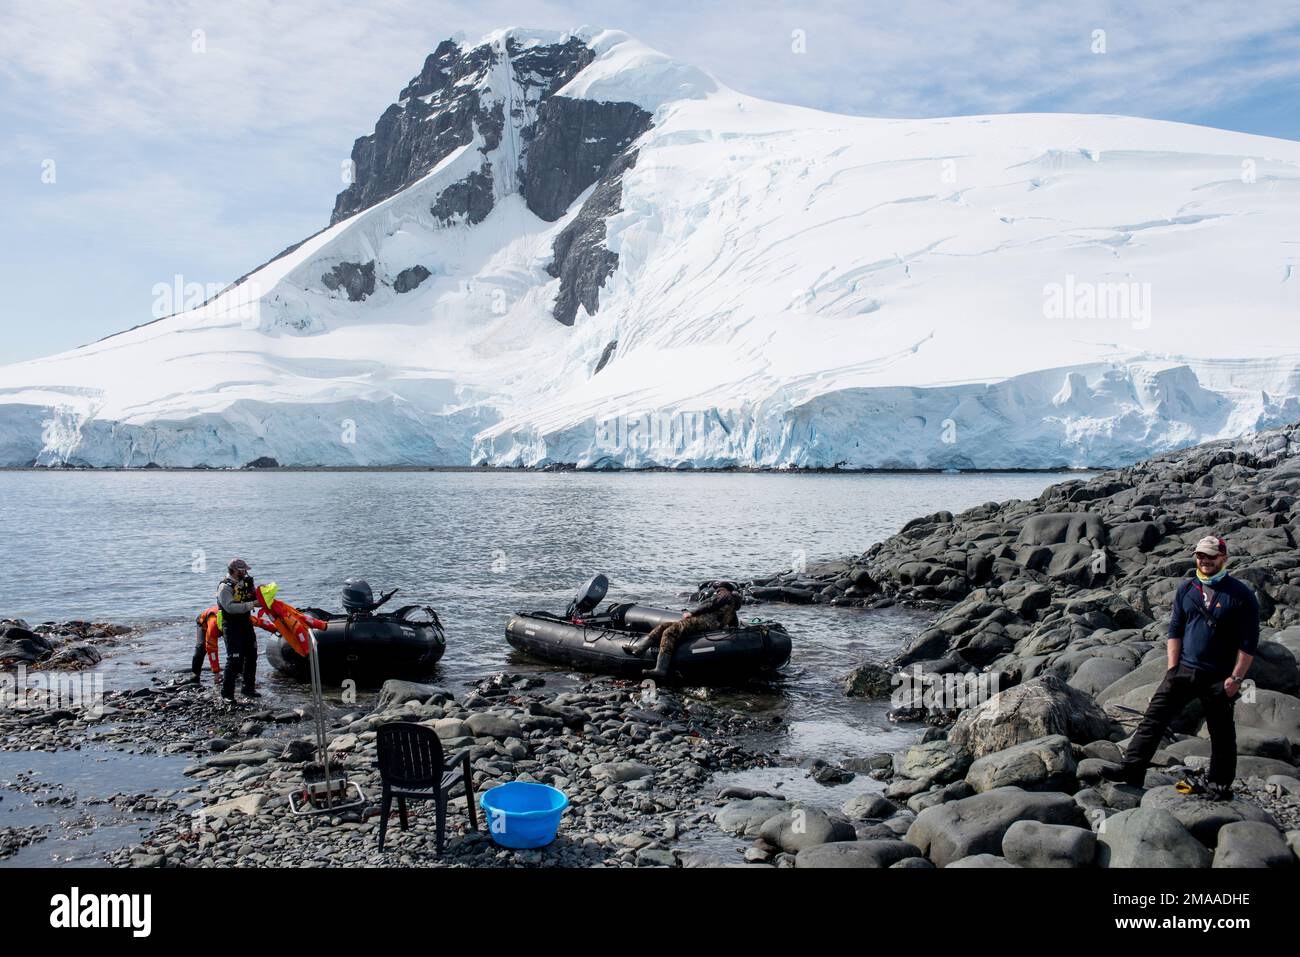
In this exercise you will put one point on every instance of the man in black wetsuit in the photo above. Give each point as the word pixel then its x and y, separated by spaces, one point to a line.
pixel 237 602
pixel 717 612
pixel 1213 635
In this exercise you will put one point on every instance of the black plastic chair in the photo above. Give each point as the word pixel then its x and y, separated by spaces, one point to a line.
pixel 411 765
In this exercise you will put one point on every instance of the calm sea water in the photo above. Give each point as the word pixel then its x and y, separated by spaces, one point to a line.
pixel 148 548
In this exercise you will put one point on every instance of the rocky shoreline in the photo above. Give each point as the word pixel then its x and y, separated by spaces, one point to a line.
pixel 1053 612
pixel 1048 640
pixel 634 765
pixel 61 646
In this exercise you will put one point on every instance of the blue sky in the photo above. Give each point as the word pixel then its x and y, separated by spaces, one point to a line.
pixel 172 160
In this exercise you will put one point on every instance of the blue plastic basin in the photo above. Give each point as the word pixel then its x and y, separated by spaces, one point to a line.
pixel 522 815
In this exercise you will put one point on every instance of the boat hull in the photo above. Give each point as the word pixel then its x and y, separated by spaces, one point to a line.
pixel 721 657
pixel 368 651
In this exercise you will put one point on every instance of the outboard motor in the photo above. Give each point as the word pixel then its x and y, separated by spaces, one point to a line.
pixel 357 595
pixel 588 597
pixel 358 598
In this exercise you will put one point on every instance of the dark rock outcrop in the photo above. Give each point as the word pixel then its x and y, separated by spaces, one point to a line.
pixel 577 143
pixel 470 199
pixel 409 279
pixel 541 70
pixel 582 263
pixel 1078 582
pixel 606 355
pixel 355 279
pixel 572 143
pixel 64 646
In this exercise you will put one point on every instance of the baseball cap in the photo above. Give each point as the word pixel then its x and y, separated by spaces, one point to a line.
pixel 1211 545
pixel 238 564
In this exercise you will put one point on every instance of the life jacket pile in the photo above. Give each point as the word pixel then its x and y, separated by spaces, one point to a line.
pixel 282 618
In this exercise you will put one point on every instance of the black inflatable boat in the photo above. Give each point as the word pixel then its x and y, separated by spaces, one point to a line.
pixel 594 642
pixel 365 644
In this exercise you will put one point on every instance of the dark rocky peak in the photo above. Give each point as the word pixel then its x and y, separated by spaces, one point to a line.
pixel 546 68
pixel 439 110
pixel 444 67
pixel 549 148
pixel 434 116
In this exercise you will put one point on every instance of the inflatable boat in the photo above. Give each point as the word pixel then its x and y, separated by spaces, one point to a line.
pixel 589 641
pixel 365 644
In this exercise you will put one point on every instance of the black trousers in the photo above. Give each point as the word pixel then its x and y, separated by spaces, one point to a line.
pixel 1180 687
pixel 241 660
pixel 200 651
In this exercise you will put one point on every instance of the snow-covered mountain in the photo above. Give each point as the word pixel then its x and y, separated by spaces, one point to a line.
pixel 571 248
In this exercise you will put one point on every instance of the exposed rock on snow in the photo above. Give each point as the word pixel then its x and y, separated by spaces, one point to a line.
pixel 582 261
pixel 356 279
pixel 470 199
pixel 409 279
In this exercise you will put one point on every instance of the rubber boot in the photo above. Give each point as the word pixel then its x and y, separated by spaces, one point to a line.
pixel 660 671
pixel 1124 774
pixel 1218 792
pixel 638 646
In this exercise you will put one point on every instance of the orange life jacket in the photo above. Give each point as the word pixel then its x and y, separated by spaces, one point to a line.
pixel 209 619
pixel 291 624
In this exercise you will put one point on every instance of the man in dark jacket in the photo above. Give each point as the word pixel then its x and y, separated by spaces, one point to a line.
pixel 1213 635
pixel 718 611
pixel 237 602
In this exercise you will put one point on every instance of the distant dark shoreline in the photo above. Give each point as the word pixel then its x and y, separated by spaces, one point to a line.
pixel 757 470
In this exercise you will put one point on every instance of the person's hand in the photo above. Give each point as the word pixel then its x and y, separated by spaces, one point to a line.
pixel 1231 686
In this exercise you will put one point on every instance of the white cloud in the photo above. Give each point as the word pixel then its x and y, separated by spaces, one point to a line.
pixel 322 70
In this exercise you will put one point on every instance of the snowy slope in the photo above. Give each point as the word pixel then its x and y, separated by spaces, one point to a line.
pixel 792 287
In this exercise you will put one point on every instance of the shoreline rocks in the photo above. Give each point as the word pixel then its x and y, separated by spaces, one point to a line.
pixel 65 646
pixel 14 839
pixel 634 771
pixel 1048 642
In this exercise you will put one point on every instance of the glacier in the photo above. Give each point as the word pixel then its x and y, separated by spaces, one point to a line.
pixel 568 248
